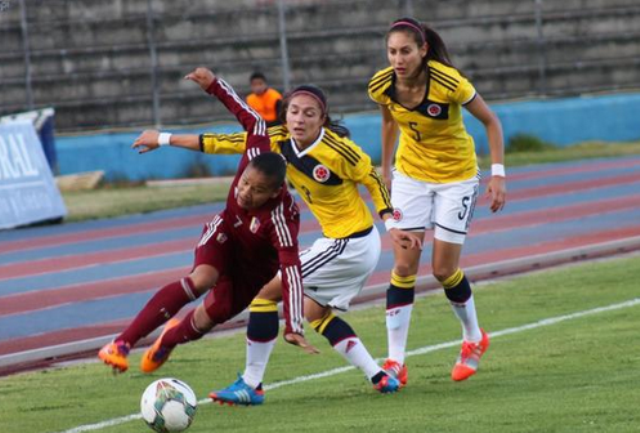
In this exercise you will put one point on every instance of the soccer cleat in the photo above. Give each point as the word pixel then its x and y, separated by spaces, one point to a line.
pixel 239 393
pixel 469 358
pixel 157 355
pixel 115 354
pixel 396 370
pixel 387 385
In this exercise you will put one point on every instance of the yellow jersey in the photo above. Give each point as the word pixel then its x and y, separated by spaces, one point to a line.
pixel 325 174
pixel 434 144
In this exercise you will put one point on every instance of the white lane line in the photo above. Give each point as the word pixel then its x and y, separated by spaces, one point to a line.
pixel 420 351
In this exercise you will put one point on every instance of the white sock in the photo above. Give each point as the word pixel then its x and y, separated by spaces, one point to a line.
pixel 258 354
pixel 354 351
pixel 398 320
pixel 467 314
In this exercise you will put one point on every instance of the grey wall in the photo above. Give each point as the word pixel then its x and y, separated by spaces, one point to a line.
pixel 91 60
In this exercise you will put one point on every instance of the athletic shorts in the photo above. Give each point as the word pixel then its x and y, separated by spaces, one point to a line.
pixel 334 271
pixel 239 282
pixel 445 207
pixel 214 247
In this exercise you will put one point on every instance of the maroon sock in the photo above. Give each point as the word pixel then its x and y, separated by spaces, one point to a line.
pixel 160 308
pixel 182 333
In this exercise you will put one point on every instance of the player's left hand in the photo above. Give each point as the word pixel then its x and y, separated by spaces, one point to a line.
pixel 203 77
pixel 300 341
pixel 406 240
pixel 497 191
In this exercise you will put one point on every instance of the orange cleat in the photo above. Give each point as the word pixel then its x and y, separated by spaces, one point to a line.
pixel 397 370
pixel 157 355
pixel 469 358
pixel 115 354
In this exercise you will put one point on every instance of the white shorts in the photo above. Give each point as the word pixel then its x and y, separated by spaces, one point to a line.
pixel 334 271
pixel 446 207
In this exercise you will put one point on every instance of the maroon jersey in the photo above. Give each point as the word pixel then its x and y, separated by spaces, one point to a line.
pixel 257 243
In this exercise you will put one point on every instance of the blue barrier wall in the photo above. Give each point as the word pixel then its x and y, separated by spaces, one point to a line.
pixel 562 122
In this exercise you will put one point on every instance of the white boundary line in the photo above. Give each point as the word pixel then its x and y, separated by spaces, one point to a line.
pixel 498 269
pixel 421 351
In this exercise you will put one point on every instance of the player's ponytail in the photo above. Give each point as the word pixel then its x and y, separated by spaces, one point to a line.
pixel 337 127
pixel 437 49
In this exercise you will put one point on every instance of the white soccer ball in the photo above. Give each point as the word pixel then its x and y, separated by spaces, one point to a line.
pixel 168 405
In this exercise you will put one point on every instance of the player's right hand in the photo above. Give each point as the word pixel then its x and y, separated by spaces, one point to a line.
pixel 147 141
pixel 203 77
pixel 300 341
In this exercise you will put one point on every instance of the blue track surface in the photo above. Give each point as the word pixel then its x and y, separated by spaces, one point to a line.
pixel 52 316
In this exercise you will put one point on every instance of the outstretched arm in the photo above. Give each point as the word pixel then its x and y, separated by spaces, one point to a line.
pixel 248 118
pixel 257 137
pixel 149 140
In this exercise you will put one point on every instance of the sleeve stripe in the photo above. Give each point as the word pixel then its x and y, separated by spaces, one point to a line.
pixel 444 76
pixel 443 83
pixel 260 128
pixel 234 138
pixel 253 152
pixel 383 189
pixel 346 156
pixel 284 235
pixel 260 123
pixel 295 295
pixel 276 130
pixel 346 148
pixel 211 230
pixel 342 151
pixel 380 78
pixel 378 86
pixel 295 298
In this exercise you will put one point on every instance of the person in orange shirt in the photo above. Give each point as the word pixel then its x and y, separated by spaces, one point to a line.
pixel 264 99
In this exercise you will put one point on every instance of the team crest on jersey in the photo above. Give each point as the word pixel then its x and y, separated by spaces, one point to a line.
pixel 434 110
pixel 321 173
pixel 397 214
pixel 255 225
pixel 221 238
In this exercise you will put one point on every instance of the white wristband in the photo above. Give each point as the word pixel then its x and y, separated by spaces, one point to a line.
pixel 389 223
pixel 164 139
pixel 498 170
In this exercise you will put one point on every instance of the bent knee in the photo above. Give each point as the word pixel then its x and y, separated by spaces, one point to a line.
pixel 405 269
pixel 202 320
pixel 442 273
pixel 203 279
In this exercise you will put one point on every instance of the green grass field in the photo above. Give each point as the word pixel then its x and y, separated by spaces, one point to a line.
pixel 578 375
pixel 110 201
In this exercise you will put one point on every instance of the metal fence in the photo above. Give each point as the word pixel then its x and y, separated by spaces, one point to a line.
pixel 106 64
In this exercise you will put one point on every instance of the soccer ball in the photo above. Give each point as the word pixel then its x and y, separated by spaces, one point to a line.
pixel 168 405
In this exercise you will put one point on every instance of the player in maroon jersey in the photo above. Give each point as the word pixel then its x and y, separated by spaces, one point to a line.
pixel 240 250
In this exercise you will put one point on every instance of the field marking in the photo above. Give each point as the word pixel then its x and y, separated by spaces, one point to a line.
pixel 421 351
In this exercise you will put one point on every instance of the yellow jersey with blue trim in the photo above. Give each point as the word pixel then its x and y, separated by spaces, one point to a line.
pixel 326 174
pixel 434 144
